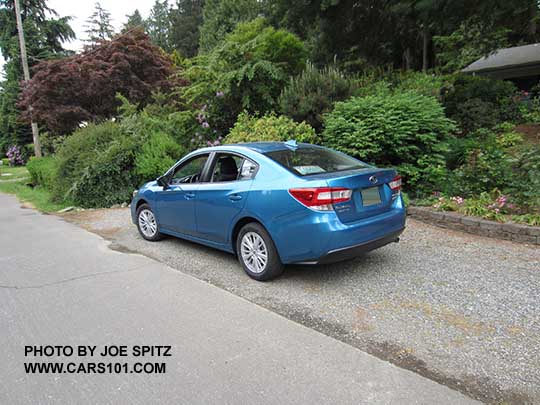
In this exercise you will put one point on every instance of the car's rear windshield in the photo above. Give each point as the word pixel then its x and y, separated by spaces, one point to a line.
pixel 305 161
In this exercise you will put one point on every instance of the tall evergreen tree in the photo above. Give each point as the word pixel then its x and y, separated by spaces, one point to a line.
pixel 186 20
pixel 158 25
pixel 99 25
pixel 133 20
pixel 221 16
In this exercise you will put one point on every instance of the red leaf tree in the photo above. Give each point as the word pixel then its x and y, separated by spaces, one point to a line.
pixel 63 93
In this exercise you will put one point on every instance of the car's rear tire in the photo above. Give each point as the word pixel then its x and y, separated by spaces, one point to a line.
pixel 257 253
pixel 147 223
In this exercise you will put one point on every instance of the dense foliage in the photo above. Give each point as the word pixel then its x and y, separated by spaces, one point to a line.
pixel 269 128
pixel 311 94
pixel 245 72
pixel 96 166
pixel 212 71
pixel 478 102
pixel 220 17
pixel 406 130
pixel 157 155
pixel 525 183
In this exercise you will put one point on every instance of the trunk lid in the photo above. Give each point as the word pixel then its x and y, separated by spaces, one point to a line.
pixel 371 194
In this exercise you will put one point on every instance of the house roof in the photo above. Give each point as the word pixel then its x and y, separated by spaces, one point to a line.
pixel 508 63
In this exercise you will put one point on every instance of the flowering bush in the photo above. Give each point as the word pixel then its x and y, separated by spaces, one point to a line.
pixel 492 205
pixel 15 156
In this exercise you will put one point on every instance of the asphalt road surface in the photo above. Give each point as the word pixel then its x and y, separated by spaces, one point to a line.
pixel 61 285
pixel 460 309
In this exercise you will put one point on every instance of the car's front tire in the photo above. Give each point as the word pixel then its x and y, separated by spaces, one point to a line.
pixel 147 223
pixel 257 253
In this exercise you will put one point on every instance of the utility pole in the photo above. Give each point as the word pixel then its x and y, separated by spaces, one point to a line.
pixel 35 130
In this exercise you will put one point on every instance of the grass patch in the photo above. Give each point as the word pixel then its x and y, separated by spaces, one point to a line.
pixel 39 197
pixel 13 173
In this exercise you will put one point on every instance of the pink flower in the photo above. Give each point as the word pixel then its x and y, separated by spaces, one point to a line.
pixel 205 125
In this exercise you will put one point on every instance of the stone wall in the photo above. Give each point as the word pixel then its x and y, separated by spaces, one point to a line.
pixel 478 226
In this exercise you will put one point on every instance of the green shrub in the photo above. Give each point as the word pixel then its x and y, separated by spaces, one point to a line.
pixel 486 168
pixel 423 83
pixel 42 171
pixel 405 130
pixel 157 155
pixel 524 186
pixel 479 102
pixel 484 161
pixel 96 166
pixel 158 117
pixel 50 143
pixel 313 93
pixel 376 88
pixel 269 128
pixel 531 111
pixel 475 114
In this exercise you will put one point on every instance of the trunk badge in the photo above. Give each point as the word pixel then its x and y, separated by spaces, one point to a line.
pixel 373 180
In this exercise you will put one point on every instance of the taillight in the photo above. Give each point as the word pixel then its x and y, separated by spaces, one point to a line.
pixel 321 198
pixel 395 185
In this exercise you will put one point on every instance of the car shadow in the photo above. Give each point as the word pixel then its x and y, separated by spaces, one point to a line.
pixel 332 271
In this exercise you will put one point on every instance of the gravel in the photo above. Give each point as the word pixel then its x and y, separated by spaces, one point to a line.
pixel 461 309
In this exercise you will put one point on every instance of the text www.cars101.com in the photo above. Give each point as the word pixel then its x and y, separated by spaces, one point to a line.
pixel 94 368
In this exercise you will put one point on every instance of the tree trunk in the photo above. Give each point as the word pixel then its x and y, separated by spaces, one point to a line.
pixel 425 40
pixel 533 15
pixel 407 59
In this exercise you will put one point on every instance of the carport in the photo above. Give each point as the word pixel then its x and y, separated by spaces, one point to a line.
pixel 520 64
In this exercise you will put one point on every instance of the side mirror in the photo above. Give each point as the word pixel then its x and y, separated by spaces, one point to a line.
pixel 162 181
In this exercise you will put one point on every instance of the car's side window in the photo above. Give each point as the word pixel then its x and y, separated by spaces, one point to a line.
pixel 229 167
pixel 190 171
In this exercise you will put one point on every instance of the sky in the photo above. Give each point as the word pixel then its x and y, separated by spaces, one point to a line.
pixel 80 10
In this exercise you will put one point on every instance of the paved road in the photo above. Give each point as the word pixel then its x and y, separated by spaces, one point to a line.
pixel 61 285
pixel 460 309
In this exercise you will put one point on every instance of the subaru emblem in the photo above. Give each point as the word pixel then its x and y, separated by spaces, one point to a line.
pixel 373 180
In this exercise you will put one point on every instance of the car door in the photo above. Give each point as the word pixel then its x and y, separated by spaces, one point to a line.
pixel 221 200
pixel 176 202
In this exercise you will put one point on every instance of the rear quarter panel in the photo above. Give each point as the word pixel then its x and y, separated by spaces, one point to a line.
pixel 284 218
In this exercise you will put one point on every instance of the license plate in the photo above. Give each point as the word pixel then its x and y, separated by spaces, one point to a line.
pixel 370 196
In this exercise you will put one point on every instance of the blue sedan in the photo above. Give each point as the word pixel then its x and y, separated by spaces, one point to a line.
pixel 274 203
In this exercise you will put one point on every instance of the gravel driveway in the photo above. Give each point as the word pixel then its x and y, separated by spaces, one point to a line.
pixel 463 310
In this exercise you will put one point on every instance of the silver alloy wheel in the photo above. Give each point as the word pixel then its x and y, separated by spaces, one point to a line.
pixel 254 252
pixel 147 223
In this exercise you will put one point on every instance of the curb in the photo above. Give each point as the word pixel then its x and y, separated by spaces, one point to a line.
pixel 452 220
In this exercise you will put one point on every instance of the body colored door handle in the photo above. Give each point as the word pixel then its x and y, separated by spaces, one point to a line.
pixel 189 196
pixel 235 197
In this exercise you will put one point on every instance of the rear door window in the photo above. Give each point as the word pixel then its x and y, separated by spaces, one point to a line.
pixel 230 167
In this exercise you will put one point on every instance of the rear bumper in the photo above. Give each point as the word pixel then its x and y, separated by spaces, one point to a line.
pixel 308 237
pixel 350 252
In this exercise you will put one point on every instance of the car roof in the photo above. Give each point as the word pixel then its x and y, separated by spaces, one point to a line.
pixel 261 147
